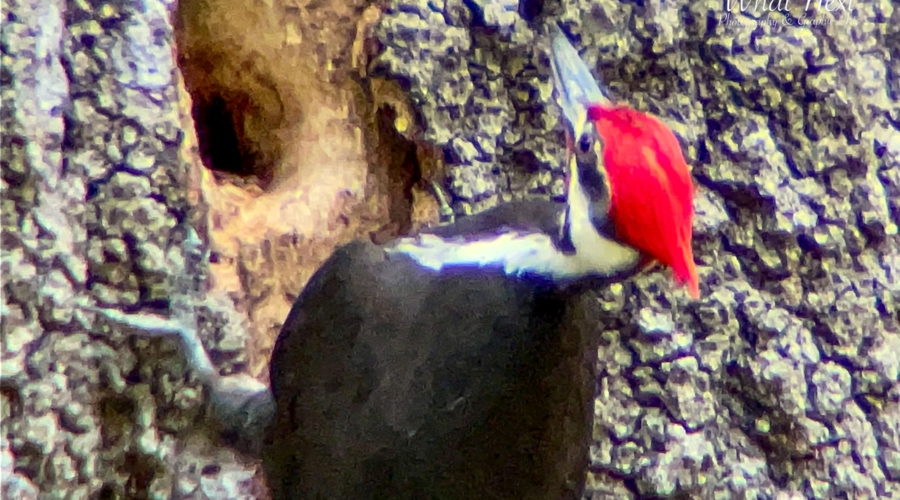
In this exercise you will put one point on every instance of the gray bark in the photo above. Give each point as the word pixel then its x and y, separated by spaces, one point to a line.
pixel 782 380
pixel 95 211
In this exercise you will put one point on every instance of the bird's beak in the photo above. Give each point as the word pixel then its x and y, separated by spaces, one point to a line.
pixel 575 86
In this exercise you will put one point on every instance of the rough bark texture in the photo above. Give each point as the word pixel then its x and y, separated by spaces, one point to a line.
pixel 95 211
pixel 781 381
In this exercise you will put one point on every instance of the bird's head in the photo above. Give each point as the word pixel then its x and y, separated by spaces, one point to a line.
pixel 648 198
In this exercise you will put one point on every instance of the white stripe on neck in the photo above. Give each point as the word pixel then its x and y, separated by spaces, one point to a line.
pixel 604 255
pixel 516 253
pixel 520 252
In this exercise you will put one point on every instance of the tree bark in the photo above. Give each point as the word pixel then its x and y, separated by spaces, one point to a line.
pixel 121 189
pixel 101 207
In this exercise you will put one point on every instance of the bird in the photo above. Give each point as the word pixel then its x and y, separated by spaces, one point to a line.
pixel 459 362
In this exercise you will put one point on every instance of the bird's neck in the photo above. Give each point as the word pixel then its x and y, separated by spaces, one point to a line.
pixel 596 251
pixel 572 249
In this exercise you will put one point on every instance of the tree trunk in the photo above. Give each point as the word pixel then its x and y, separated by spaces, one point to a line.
pixel 200 160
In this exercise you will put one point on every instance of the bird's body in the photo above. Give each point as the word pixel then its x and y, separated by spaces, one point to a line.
pixel 459 363
pixel 463 383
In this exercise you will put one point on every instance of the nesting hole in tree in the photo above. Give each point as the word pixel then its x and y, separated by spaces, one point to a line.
pixel 280 112
pixel 236 105
pixel 224 147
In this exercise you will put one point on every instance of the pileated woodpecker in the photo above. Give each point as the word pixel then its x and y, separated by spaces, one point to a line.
pixel 459 363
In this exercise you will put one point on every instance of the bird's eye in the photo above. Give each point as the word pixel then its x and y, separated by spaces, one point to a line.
pixel 585 143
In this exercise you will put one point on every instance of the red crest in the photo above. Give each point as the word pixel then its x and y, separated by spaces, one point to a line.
pixel 651 202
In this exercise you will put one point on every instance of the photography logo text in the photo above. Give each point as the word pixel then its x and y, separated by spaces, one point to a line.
pixel 777 13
